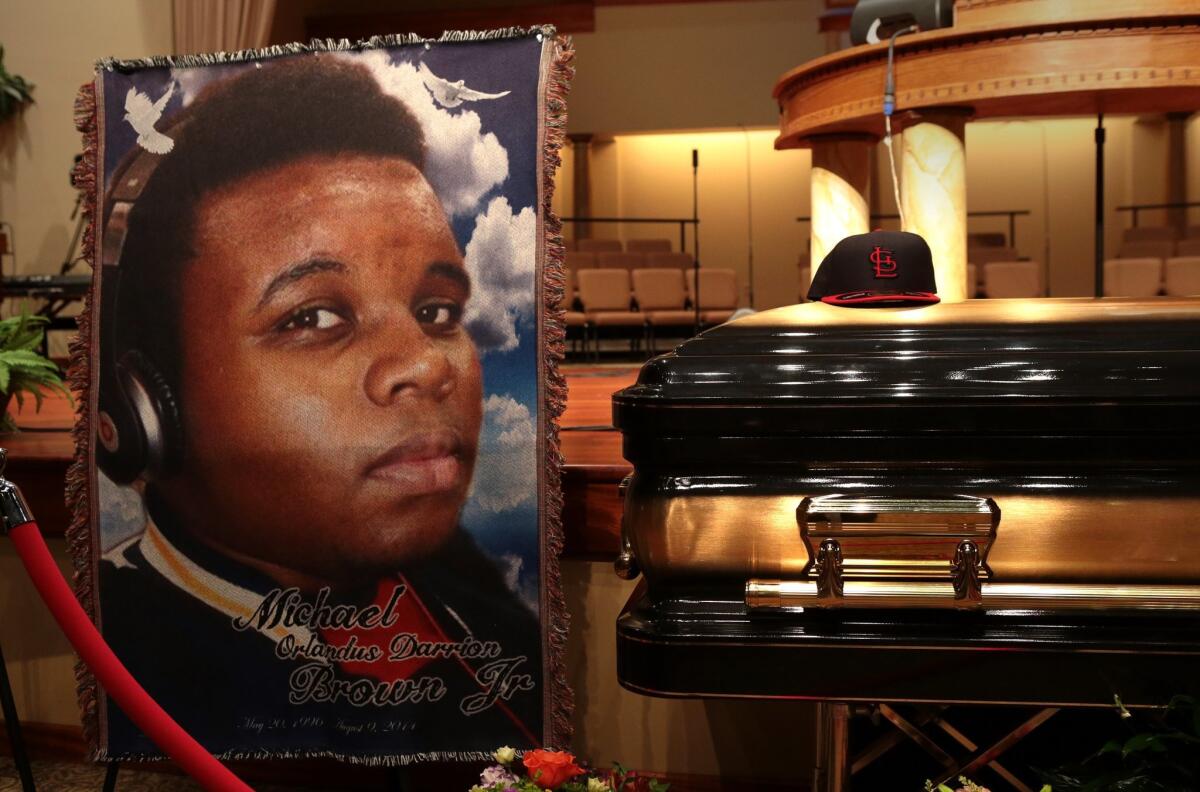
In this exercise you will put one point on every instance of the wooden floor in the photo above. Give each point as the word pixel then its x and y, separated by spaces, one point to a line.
pixel 39 456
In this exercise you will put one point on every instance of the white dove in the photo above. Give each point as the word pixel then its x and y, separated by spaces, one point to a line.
pixel 142 115
pixel 452 94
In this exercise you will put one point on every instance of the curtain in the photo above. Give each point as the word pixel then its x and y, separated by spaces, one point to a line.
pixel 221 25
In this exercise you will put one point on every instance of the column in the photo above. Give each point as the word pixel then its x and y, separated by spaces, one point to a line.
pixel 841 181
pixel 581 197
pixel 933 191
pixel 1177 169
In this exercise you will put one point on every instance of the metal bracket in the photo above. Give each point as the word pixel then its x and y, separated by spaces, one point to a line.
pixel 14 511
pixel 828 570
pixel 965 571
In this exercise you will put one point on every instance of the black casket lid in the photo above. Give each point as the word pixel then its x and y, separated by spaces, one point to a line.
pixel 1035 368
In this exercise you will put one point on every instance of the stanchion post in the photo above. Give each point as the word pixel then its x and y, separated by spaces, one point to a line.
pixel 13 724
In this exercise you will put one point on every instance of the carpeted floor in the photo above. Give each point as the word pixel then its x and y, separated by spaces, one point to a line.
pixel 80 777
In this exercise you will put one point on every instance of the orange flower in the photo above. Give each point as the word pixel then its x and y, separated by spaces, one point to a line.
pixel 548 769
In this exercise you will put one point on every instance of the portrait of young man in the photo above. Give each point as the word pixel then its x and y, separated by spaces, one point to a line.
pixel 316 424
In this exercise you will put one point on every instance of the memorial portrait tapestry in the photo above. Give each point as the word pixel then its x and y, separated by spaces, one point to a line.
pixel 316 496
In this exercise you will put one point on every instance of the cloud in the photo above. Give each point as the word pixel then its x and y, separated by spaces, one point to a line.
pixel 192 80
pixel 462 163
pixel 122 514
pixel 506 471
pixel 501 258
pixel 525 586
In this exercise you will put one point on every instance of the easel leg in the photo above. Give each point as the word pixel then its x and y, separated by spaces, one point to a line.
pixel 833 742
pixel 110 776
pixel 398 779
pixel 13 724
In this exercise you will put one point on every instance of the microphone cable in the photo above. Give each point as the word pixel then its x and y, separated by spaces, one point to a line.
pixel 889 106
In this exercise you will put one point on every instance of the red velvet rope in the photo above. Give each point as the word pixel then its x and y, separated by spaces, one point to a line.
pixel 129 695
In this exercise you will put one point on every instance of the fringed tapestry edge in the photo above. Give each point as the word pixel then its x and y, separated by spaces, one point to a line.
pixel 78 534
pixel 558 81
pixel 320 45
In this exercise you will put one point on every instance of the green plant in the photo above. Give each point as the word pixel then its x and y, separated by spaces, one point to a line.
pixel 15 91
pixel 1157 752
pixel 22 370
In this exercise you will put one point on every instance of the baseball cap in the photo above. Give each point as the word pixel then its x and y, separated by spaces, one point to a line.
pixel 879 269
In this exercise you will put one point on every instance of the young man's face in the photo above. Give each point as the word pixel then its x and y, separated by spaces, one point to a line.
pixel 332 398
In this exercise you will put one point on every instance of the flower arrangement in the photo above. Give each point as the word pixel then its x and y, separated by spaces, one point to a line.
pixel 965 785
pixel 560 772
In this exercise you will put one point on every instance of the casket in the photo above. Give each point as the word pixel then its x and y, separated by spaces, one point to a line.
pixel 1000 474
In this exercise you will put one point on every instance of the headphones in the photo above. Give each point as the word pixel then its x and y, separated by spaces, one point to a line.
pixel 138 425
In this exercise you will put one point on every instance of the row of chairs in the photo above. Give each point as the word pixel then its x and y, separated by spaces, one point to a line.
pixel 1178 276
pixel 1159 248
pixel 644 304
pixel 578 261
pixel 1147 277
pixel 1005 279
pixel 1158 233
pixel 616 246
pixel 988 254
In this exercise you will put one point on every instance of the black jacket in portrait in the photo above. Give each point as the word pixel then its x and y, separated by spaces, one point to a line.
pixel 168 609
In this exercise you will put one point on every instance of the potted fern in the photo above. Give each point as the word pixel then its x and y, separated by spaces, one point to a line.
pixel 23 371
pixel 15 91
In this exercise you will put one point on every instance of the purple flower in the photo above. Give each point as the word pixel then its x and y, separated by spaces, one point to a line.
pixel 496 774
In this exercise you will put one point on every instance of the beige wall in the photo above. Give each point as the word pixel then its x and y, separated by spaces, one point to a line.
pixel 748 192
pixel 689 65
pixel 54 45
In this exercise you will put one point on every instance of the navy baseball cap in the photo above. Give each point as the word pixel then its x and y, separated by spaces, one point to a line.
pixel 879 269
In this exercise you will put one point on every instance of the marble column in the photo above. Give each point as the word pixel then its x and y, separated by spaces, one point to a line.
pixel 841 182
pixel 933 191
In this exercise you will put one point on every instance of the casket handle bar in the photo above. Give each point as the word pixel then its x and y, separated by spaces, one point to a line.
pixel 879 552
pixel 862 549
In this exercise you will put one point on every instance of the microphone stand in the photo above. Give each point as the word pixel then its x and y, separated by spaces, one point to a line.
pixel 70 261
pixel 696 238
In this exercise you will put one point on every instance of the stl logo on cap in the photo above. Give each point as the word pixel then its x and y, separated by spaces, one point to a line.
pixel 885 265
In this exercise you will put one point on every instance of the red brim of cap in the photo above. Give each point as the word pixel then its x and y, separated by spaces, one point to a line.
pixel 869 298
